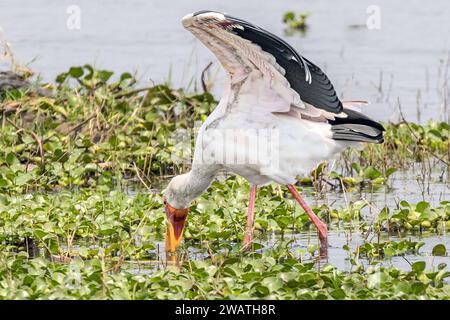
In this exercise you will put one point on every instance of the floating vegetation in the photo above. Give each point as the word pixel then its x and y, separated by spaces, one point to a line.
pixel 271 275
pixel 296 22
pixel 109 234
pixel 369 176
pixel 416 217
pixel 389 248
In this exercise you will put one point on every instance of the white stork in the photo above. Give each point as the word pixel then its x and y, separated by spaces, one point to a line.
pixel 272 93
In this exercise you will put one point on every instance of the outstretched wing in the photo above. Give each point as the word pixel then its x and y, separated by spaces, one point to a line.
pixel 242 47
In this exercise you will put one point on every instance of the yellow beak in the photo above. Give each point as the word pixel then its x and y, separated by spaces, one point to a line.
pixel 176 219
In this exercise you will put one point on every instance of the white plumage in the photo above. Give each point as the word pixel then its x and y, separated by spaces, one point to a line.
pixel 257 96
pixel 278 117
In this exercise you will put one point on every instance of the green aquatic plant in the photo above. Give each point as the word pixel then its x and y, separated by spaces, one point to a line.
pixel 367 176
pixel 80 222
pixel 351 212
pixel 405 144
pixel 75 137
pixel 271 275
pixel 417 217
pixel 383 249
pixel 80 207
pixel 95 127
pixel 296 22
pixel 439 250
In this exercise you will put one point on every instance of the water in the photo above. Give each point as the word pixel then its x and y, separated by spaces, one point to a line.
pixel 403 185
pixel 408 185
pixel 408 55
pixel 336 254
pixel 339 257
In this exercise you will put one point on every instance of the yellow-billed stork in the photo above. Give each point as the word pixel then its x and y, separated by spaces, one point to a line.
pixel 272 93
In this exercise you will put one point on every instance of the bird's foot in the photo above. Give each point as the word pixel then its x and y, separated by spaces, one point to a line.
pixel 323 238
pixel 248 241
pixel 248 235
pixel 323 231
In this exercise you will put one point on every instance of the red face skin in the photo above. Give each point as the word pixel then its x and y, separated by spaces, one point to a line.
pixel 176 220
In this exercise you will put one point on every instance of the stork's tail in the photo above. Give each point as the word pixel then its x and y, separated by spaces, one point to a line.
pixel 356 127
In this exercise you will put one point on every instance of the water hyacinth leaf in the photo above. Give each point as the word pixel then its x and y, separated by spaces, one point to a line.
pixel 3 182
pixel 404 203
pixel 371 173
pixel 390 171
pixel 104 75
pixel 436 133
pixel 11 158
pixel 22 179
pixel 76 72
pixel 60 78
pixel 384 214
pixel 272 283
pixel 439 250
pixel 313 248
pixel 377 279
pixel 338 294
pixel 422 206
pixel 418 266
pixel 389 252
pixel 334 175
pixel 289 16
pixel 357 168
pixel 442 266
pixel 90 70
pixel 124 76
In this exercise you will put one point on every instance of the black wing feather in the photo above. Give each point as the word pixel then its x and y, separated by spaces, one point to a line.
pixel 356 127
pixel 319 92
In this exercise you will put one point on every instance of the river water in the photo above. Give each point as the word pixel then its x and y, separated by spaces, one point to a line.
pixel 405 61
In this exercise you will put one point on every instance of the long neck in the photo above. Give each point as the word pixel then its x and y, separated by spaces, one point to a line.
pixel 186 187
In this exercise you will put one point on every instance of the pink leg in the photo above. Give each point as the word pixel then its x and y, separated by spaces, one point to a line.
pixel 321 227
pixel 248 236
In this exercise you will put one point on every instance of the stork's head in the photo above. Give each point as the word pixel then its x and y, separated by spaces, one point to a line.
pixel 176 205
pixel 192 18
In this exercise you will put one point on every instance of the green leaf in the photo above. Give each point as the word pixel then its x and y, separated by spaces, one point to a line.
pixel 384 214
pixel 338 294
pixel 313 248
pixel 422 206
pixel 76 72
pixel 104 75
pixel 10 158
pixel 356 167
pixel 371 173
pixel 404 203
pixel 439 250
pixel 124 76
pixel 60 78
pixel 22 179
pixel 262 290
pixel 418 266
pixel 390 171
pixel 289 16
